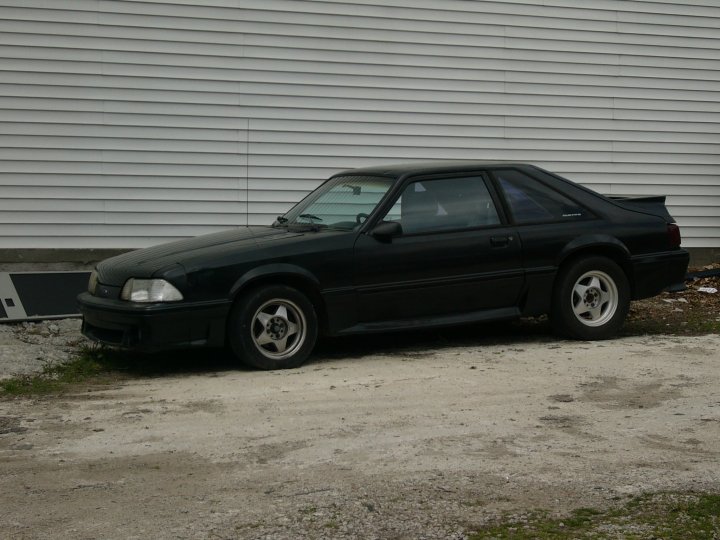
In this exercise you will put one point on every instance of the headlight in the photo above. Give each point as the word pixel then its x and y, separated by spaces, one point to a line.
pixel 150 290
pixel 92 283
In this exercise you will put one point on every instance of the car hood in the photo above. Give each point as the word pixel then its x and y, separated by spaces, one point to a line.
pixel 144 263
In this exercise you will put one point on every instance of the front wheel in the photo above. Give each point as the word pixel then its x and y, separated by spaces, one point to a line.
pixel 591 299
pixel 273 327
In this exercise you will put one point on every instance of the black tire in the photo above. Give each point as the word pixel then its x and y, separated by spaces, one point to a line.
pixel 272 327
pixel 591 299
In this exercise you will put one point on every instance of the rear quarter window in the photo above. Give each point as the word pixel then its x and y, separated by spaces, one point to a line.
pixel 531 201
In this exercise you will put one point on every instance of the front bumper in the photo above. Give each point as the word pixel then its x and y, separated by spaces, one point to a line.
pixel 153 327
pixel 658 271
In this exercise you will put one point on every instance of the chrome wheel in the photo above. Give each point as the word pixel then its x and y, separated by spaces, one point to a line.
pixel 594 298
pixel 278 329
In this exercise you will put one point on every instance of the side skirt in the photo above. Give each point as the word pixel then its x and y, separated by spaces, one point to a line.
pixel 433 322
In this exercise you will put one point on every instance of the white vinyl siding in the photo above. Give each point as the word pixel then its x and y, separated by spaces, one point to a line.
pixel 128 123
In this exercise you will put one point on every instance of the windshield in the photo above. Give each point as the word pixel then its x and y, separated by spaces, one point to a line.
pixel 343 203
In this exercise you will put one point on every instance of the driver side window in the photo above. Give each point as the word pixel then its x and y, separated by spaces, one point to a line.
pixel 429 206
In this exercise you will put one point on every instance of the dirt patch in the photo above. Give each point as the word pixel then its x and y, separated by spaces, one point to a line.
pixel 612 392
pixel 10 424
pixel 688 312
pixel 382 445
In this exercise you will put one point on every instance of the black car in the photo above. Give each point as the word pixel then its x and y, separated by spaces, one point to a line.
pixel 390 248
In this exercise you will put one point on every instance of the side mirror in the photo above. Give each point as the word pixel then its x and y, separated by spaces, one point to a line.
pixel 385 230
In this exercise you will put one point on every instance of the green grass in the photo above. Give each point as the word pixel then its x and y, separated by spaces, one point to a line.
pixel 698 315
pixel 690 325
pixel 98 365
pixel 670 516
pixel 653 316
pixel 91 364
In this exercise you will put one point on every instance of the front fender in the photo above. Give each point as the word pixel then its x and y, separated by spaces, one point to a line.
pixel 273 270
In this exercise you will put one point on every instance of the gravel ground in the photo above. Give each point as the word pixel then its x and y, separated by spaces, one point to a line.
pixel 28 347
pixel 368 440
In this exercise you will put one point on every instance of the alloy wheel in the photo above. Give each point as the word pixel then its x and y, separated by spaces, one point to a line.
pixel 278 329
pixel 594 298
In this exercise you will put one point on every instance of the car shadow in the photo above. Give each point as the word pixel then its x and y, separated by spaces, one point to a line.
pixel 166 363
pixel 415 342
pixel 418 341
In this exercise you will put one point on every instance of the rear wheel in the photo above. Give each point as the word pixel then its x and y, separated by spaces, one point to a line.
pixel 273 327
pixel 591 299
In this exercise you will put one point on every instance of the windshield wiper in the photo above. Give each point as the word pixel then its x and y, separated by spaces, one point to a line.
pixel 310 216
pixel 312 225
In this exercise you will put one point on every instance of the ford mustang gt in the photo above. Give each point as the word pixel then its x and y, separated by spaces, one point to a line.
pixel 390 248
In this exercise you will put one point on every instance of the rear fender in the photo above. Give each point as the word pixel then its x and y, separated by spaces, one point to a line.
pixel 599 244
pixel 603 245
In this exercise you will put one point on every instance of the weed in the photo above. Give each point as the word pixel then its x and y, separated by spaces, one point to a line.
pixel 308 510
pixel 671 516
pixel 97 364
pixel 89 365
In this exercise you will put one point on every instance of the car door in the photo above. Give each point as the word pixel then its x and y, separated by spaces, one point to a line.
pixel 456 255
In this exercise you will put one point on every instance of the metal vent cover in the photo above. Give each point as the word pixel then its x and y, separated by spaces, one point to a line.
pixel 28 296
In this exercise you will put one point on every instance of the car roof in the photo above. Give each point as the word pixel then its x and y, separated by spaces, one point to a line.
pixel 398 170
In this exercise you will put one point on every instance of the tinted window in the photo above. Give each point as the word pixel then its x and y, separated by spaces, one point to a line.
pixel 531 201
pixel 446 204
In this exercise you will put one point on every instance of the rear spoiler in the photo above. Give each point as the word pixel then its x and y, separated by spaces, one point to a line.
pixel 654 205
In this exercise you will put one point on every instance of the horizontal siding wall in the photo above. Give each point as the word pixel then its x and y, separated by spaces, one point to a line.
pixel 128 123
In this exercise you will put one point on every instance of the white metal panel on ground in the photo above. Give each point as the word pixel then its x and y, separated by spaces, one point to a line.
pixel 126 123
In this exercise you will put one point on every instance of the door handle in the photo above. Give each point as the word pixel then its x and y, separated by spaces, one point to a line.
pixel 500 241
